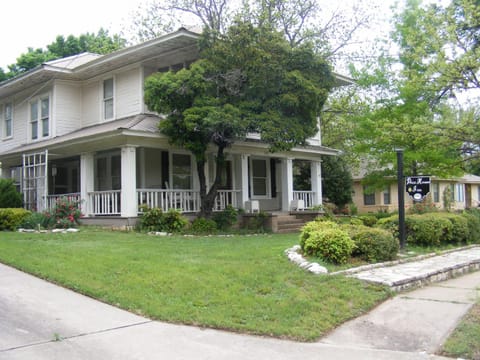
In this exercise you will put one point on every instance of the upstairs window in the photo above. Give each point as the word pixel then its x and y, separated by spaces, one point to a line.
pixel 7 120
pixel 108 99
pixel 40 118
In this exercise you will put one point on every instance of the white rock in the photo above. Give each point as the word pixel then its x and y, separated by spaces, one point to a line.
pixel 317 269
pixel 73 230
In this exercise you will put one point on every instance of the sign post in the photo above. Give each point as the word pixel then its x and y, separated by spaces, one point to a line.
pixel 401 199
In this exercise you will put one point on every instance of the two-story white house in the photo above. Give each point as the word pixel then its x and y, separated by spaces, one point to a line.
pixel 78 126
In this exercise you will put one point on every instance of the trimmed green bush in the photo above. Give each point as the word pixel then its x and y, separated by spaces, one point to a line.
pixel 330 244
pixel 313 226
pixel 374 244
pixel 459 231
pixel 203 226
pixel 9 196
pixel 11 218
pixel 368 220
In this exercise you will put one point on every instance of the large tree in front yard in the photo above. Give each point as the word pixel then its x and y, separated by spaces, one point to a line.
pixel 248 80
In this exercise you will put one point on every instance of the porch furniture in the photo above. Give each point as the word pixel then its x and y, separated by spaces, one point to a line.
pixel 252 206
pixel 297 205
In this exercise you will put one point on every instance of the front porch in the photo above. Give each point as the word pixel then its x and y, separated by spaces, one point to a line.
pixel 121 182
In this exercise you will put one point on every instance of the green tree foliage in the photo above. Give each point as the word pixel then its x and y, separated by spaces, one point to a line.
pixel 337 183
pixel 9 196
pixel 249 80
pixel 412 109
pixel 100 43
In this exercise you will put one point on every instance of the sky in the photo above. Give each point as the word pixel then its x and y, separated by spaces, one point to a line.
pixel 27 23
pixel 37 23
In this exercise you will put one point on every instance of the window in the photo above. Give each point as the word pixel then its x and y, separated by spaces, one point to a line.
pixel 436 192
pixel 40 118
pixel 386 195
pixel 108 99
pixel 459 193
pixel 260 178
pixel 7 120
pixel 181 171
pixel 368 198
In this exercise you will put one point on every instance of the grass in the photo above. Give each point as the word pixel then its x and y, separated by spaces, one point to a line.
pixel 241 283
pixel 465 340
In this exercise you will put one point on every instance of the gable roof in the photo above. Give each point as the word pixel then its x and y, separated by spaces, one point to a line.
pixel 87 65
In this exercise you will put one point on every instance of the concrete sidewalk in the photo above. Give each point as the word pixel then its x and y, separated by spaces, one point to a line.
pixel 39 320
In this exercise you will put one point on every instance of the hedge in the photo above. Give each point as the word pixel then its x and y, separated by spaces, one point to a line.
pixel 11 218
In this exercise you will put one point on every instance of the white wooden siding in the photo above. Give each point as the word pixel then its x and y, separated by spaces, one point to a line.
pixel 128 93
pixel 68 108
pixel 91 109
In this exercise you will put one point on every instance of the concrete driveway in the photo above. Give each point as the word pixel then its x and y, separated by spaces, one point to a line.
pixel 39 320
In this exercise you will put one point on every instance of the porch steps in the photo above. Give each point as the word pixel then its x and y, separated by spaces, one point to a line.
pixel 289 223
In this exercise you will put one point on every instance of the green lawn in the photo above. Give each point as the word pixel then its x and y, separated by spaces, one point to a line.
pixel 241 283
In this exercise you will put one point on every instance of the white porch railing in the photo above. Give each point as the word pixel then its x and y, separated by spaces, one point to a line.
pixel 165 199
pixel 104 202
pixel 183 200
pixel 53 199
pixel 307 196
pixel 225 198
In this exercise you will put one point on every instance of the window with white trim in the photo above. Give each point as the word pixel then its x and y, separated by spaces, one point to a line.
pixel 108 99
pixel 7 120
pixel 386 195
pixel 40 118
pixel 260 178
pixel 459 192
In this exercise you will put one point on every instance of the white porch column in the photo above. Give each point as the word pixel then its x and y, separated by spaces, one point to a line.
pixel 128 196
pixel 316 180
pixel 87 176
pixel 287 183
pixel 244 180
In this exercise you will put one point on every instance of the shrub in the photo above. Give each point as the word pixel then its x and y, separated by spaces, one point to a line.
pixel 257 221
pixel 35 220
pixel 313 226
pixel 10 219
pixel 66 213
pixel 374 245
pixel 9 196
pixel 356 221
pixel 203 226
pixel 368 220
pixel 458 233
pixel 226 219
pixel 174 221
pixel 426 229
pixel 389 223
pixel 154 219
pixel 151 219
pixel 330 244
pixel 473 223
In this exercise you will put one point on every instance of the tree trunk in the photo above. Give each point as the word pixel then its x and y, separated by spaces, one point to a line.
pixel 207 199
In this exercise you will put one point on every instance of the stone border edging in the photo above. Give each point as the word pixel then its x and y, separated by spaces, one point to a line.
pixel 295 257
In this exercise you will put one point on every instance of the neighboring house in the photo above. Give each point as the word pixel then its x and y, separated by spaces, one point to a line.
pixel 79 127
pixel 464 192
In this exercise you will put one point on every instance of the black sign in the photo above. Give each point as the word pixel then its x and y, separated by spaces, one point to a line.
pixel 418 187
